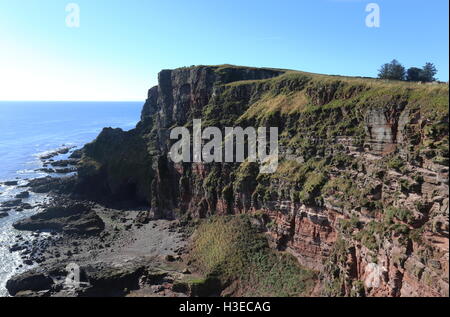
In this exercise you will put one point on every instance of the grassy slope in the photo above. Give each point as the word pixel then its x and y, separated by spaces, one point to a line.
pixel 230 249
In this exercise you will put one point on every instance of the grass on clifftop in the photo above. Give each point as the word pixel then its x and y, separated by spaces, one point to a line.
pixel 230 249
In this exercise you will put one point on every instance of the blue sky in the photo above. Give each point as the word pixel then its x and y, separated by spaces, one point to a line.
pixel 121 45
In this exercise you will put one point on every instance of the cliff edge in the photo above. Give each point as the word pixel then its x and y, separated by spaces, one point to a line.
pixel 361 191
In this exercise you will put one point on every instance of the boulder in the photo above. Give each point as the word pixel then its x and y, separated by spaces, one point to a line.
pixel 22 195
pixel 65 170
pixel 26 206
pixel 11 203
pixel 29 281
pixel 49 184
pixel 11 183
pixel 77 219
pixel 77 154
pixel 65 163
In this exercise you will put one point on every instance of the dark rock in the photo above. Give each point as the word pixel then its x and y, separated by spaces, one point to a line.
pixel 180 287
pixel 156 288
pixel 170 258
pixel 17 247
pixel 29 281
pixel 113 281
pixel 25 194
pixel 64 163
pixel 3 214
pixel 65 170
pixel 49 156
pixel 11 183
pixel 12 203
pixel 71 219
pixel 26 206
pixel 45 170
pixel 143 217
pixel 39 260
pixel 77 154
pixel 51 184
pixel 63 150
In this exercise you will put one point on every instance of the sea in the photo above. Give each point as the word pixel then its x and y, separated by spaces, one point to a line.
pixel 29 130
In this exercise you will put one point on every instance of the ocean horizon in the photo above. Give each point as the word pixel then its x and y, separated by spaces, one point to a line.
pixel 28 128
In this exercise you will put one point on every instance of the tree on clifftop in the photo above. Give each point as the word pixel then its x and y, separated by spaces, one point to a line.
pixel 413 74
pixel 428 72
pixel 393 70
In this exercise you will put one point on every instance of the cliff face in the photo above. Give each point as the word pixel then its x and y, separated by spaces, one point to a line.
pixel 361 192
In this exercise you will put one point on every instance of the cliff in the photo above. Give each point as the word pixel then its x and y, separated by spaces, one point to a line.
pixel 361 192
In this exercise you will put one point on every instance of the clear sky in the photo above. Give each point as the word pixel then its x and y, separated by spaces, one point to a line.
pixel 121 45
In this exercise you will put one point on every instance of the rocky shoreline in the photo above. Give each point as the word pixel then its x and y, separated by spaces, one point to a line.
pixel 116 254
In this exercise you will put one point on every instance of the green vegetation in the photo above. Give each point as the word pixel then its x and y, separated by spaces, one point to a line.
pixel 395 163
pixel 358 289
pixel 245 176
pixel 374 232
pixel 229 248
pixel 348 195
pixel 347 226
pixel 403 215
pixel 371 235
pixel 395 71
pixel 311 189
pixel 198 287
pixel 333 284
pixel 426 74
pixel 306 180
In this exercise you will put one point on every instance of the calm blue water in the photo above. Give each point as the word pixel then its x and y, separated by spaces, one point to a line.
pixel 28 129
